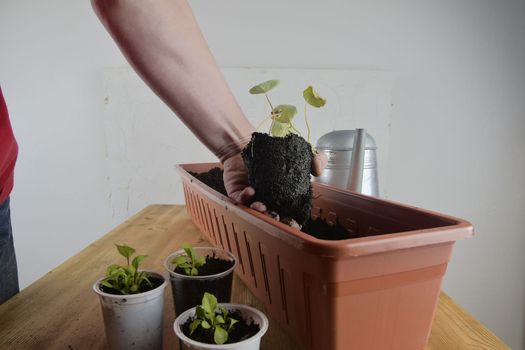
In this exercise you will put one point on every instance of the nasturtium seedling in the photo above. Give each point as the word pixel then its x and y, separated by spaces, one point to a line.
pixel 282 115
pixel 189 262
pixel 126 279
pixel 213 318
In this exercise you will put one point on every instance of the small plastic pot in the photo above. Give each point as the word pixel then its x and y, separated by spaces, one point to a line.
pixel 188 290
pixel 133 321
pixel 248 314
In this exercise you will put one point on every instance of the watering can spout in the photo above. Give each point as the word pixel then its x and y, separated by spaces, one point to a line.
pixel 357 162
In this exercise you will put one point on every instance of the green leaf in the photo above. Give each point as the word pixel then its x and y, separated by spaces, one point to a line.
pixel 232 322
pixel 223 311
pixel 189 250
pixel 194 271
pixel 313 98
pixel 209 303
pixel 280 129
pixel 138 260
pixel 219 319
pixel 148 281
pixel 106 284
pixel 263 88
pixel 200 261
pixel 125 250
pixel 179 260
pixel 112 269
pixel 220 336
pixel 199 311
pixel 205 324
pixel 193 326
pixel 284 113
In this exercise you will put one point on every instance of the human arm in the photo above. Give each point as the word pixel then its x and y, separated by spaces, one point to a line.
pixel 163 43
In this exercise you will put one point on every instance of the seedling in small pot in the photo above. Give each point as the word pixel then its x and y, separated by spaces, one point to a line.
pixel 190 262
pixel 213 319
pixel 194 271
pixel 127 279
pixel 132 303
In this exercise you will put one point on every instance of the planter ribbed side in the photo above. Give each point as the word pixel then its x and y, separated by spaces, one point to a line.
pixel 381 289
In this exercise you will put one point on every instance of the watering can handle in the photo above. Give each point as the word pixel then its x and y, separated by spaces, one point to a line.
pixel 357 162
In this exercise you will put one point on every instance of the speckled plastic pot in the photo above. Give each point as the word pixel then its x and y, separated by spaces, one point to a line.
pixel 133 321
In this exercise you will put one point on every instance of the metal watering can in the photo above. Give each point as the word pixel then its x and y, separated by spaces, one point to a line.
pixel 352 161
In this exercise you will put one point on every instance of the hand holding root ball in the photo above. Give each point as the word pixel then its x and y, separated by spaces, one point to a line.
pixel 238 188
pixel 273 170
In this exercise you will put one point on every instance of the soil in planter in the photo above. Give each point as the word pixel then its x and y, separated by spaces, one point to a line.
pixel 212 178
pixel 188 292
pixel 279 171
pixel 318 228
pixel 241 331
pixel 144 287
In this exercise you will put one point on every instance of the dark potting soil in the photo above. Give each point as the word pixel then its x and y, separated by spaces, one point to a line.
pixel 279 171
pixel 144 287
pixel 213 266
pixel 318 228
pixel 212 178
pixel 242 330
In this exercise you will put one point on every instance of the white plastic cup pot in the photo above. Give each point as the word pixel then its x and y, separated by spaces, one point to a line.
pixel 188 290
pixel 248 314
pixel 133 321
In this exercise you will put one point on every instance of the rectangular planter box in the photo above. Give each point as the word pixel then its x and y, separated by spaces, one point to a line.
pixel 375 292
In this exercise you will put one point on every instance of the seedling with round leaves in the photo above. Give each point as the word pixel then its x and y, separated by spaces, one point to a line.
pixel 213 318
pixel 126 279
pixel 190 262
pixel 282 115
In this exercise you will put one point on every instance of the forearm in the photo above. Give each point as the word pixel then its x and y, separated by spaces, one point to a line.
pixel 163 43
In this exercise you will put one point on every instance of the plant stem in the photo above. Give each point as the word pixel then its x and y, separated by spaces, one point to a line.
pixel 294 129
pixel 267 99
pixel 307 124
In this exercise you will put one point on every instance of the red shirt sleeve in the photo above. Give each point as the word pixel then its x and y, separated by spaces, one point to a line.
pixel 8 151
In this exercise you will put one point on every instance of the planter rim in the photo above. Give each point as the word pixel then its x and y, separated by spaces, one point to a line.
pixel 229 306
pixel 207 277
pixel 97 290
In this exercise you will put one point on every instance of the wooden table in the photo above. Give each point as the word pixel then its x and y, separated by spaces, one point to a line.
pixel 60 310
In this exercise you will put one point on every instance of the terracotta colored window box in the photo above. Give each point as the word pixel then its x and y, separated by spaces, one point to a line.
pixel 375 292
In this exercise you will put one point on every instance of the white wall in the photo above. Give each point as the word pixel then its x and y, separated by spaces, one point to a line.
pixel 456 133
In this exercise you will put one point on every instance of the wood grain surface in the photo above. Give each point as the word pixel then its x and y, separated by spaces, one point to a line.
pixel 61 311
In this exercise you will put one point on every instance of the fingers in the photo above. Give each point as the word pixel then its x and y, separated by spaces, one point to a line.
pixel 245 196
pixel 259 206
pixel 319 163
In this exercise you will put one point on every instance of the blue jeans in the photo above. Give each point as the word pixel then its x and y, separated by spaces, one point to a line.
pixel 8 270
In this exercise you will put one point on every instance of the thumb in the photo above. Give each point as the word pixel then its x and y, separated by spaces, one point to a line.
pixel 319 163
